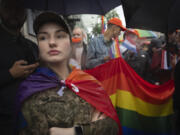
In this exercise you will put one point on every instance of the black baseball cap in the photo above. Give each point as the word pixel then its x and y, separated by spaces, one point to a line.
pixel 47 17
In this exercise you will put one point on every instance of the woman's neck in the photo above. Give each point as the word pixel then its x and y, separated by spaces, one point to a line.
pixel 61 69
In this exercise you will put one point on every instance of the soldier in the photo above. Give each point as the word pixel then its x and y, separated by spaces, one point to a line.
pixel 64 104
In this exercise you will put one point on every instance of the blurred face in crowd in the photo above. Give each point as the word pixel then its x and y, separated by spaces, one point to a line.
pixel 132 37
pixel 178 38
pixel 171 37
pixel 116 31
pixel 13 14
pixel 155 49
pixel 54 43
pixel 78 33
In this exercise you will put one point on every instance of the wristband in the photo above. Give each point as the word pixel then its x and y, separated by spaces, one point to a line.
pixel 78 130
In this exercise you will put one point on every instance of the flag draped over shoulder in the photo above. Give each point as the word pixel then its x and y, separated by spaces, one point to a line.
pixel 83 84
pixel 143 108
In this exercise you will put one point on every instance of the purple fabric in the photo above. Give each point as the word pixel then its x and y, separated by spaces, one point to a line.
pixel 39 81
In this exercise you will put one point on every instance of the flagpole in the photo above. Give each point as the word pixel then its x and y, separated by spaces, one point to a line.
pixel 102 24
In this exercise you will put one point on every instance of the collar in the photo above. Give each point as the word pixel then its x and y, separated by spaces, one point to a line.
pixel 46 71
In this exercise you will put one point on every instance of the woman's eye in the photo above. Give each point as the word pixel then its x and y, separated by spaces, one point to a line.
pixel 41 38
pixel 61 36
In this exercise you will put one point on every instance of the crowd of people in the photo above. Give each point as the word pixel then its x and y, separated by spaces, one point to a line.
pixel 59 107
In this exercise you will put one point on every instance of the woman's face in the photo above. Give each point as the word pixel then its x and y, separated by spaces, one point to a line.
pixel 54 43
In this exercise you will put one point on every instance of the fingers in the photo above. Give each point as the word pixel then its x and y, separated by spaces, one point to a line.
pixel 30 67
pixel 98 115
pixel 107 58
pixel 27 72
pixel 61 131
pixel 55 131
pixel 102 116
pixel 21 69
pixel 21 62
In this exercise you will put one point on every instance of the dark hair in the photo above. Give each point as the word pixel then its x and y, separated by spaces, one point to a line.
pixel 155 43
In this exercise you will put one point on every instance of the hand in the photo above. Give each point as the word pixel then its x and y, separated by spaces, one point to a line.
pixel 61 131
pixel 97 116
pixel 106 58
pixel 20 69
pixel 173 61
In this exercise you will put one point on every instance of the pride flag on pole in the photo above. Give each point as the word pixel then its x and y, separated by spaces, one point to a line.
pixel 102 24
pixel 143 108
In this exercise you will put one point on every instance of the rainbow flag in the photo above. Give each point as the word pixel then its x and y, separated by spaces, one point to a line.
pixel 143 108
pixel 115 49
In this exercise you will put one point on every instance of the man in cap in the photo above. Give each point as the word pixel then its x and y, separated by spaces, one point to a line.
pixel 99 48
pixel 135 56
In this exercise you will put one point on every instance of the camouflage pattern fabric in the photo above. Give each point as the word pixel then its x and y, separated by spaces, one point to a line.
pixel 47 109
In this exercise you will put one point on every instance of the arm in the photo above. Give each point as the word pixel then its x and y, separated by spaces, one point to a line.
pixel 36 121
pixel 91 59
pixel 32 53
pixel 18 70
pixel 105 126
pixel 100 125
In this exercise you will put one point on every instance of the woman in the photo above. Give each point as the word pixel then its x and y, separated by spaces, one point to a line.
pixel 57 100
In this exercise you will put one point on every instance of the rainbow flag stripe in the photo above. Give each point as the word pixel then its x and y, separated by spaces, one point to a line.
pixel 115 49
pixel 143 108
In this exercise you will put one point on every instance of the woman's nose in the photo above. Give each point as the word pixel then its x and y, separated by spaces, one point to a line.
pixel 52 42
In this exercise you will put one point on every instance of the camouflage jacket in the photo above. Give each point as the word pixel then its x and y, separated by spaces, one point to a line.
pixel 47 109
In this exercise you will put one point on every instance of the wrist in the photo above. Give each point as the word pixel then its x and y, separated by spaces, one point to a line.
pixel 104 60
pixel 11 72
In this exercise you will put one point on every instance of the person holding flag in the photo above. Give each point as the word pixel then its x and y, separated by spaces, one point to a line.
pixel 56 100
pixel 134 55
pixel 101 48
pixel 130 42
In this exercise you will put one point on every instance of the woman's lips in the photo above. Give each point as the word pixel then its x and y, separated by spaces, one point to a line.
pixel 53 52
